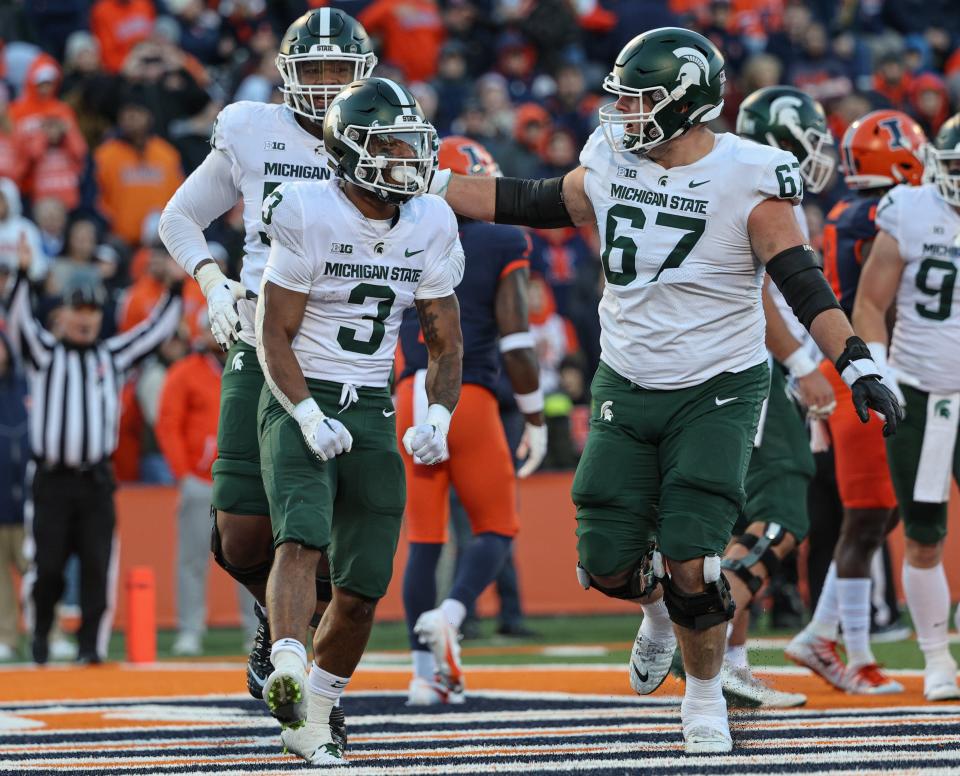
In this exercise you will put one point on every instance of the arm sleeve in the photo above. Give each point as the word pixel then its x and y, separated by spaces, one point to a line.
pixel 170 425
pixel 209 192
pixel 27 337
pixel 287 265
pixel 443 270
pixel 137 343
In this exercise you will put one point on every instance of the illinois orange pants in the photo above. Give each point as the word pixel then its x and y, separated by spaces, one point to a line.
pixel 859 452
pixel 480 469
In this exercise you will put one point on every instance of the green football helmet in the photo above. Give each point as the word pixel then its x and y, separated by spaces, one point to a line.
pixel 677 76
pixel 784 117
pixel 379 139
pixel 320 53
pixel 943 160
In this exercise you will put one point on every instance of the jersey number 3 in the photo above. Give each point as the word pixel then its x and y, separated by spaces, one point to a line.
pixel 692 228
pixel 347 337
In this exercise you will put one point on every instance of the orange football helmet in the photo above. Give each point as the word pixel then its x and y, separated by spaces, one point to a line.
pixel 467 157
pixel 882 149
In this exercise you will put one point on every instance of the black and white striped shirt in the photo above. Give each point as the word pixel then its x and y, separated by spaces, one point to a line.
pixel 75 390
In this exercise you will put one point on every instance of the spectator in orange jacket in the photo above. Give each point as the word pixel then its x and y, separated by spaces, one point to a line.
pixel 410 32
pixel 186 431
pixel 119 25
pixel 140 298
pixel 137 172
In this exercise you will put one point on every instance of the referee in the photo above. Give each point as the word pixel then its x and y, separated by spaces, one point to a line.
pixel 75 382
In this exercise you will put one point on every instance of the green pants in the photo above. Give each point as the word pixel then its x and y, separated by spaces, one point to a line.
pixel 664 465
pixel 351 505
pixel 781 467
pixel 923 522
pixel 237 482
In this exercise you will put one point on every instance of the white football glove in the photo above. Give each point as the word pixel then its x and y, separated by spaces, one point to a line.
pixel 533 448
pixel 222 295
pixel 427 442
pixel 888 375
pixel 439 182
pixel 326 437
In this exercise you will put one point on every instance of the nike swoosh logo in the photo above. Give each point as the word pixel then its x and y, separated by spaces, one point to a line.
pixel 720 402
pixel 408 253
pixel 694 184
pixel 388 414
pixel 642 677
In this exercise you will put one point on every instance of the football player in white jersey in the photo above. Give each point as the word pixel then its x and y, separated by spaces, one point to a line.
pixel 255 148
pixel 775 520
pixel 333 295
pixel 913 263
pixel 687 221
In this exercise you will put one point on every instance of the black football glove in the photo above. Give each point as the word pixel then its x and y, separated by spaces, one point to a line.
pixel 870 394
pixel 861 373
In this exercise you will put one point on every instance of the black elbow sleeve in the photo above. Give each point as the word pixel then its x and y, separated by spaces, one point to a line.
pixel 536 203
pixel 800 279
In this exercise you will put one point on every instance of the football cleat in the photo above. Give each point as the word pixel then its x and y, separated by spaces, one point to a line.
pixel 423 692
pixel 650 663
pixel 940 680
pixel 259 666
pixel 338 728
pixel 706 735
pixel 436 632
pixel 818 654
pixel 314 741
pixel 742 689
pixel 286 695
pixel 869 680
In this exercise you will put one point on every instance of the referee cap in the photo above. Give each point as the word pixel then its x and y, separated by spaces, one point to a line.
pixel 83 289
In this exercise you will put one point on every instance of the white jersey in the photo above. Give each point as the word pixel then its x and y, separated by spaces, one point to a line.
pixel 682 298
pixel 926 335
pixel 359 279
pixel 257 146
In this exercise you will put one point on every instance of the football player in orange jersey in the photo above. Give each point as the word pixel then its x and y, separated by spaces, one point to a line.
pixel 493 313
pixel 878 151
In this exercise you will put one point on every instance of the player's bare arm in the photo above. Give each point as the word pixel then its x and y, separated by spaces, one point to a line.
pixel 440 325
pixel 520 363
pixel 282 315
pixel 878 286
pixel 778 242
pixel 814 389
pixel 539 203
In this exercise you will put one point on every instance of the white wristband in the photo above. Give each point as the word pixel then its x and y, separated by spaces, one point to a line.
pixel 208 276
pixel 439 416
pixel 862 367
pixel 515 341
pixel 528 403
pixel 305 409
pixel 799 363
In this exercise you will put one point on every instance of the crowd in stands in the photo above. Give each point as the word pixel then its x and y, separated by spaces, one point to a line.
pixel 106 106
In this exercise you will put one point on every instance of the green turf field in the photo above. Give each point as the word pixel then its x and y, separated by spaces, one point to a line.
pixel 614 633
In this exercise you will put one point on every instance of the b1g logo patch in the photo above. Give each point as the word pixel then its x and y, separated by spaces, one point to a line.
pixel 345 248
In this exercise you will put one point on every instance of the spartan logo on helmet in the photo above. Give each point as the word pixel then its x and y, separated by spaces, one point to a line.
pixel 695 67
pixel 785 110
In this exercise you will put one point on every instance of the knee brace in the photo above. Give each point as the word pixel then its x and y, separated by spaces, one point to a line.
pixel 641 580
pixel 699 611
pixel 254 575
pixel 759 550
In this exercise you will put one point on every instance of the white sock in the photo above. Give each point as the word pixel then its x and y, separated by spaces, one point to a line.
pixel 288 655
pixel 454 611
pixel 326 684
pixel 928 598
pixel 656 623
pixel 853 597
pixel 737 656
pixel 424 664
pixel 703 698
pixel 826 617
